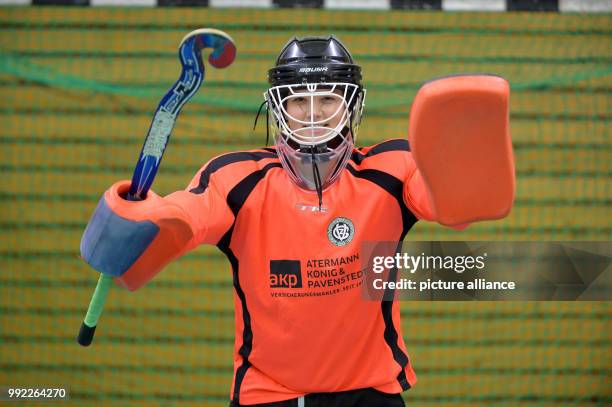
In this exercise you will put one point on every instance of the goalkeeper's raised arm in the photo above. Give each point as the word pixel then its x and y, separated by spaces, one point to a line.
pixel 134 240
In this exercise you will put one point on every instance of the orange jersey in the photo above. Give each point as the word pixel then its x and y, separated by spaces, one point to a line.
pixel 302 325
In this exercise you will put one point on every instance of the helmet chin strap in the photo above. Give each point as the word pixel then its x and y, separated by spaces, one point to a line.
pixel 317 178
pixel 316 175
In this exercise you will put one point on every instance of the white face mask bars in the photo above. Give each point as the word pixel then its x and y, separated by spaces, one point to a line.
pixel 313 131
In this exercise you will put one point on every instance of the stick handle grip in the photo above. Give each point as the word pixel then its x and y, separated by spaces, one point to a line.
pixel 88 327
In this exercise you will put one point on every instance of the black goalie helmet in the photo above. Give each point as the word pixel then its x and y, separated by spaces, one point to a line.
pixel 315 102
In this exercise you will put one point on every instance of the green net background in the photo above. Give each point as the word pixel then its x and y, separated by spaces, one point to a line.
pixel 78 89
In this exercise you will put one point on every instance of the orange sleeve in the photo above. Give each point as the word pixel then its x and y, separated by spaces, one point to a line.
pixel 206 209
pixel 416 196
pixel 185 220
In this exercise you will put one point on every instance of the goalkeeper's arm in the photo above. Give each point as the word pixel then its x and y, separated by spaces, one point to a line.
pixel 134 240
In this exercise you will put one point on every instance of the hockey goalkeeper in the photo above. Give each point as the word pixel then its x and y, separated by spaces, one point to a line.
pixel 284 215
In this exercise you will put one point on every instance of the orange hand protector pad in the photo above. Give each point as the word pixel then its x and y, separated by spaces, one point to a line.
pixel 460 139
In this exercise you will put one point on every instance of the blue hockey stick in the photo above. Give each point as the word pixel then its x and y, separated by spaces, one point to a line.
pixel 192 77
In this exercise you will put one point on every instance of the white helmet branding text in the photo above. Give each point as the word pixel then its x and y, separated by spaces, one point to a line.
pixel 313 69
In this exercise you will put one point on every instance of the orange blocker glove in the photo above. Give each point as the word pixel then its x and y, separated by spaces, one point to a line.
pixel 460 140
pixel 133 240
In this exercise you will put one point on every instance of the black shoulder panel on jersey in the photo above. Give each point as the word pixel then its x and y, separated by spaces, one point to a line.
pixel 271 149
pixel 395 187
pixel 390 145
pixel 228 159
pixel 239 194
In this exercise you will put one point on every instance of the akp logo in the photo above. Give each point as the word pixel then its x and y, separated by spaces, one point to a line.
pixel 285 274
pixel 340 231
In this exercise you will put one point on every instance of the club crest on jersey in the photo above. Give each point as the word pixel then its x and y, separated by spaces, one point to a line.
pixel 340 231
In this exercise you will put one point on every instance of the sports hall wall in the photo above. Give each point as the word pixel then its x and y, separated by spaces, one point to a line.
pixel 79 86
